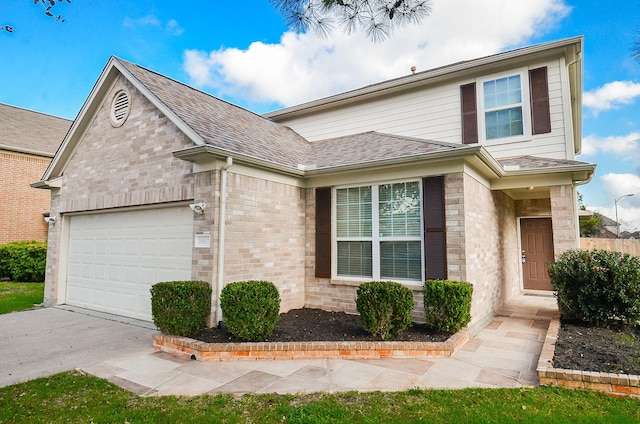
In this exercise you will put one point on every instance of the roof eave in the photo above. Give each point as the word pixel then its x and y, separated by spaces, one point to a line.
pixel 204 153
pixel 403 82
pixel 26 151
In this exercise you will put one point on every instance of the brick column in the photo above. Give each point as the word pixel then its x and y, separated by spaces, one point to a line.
pixel 564 214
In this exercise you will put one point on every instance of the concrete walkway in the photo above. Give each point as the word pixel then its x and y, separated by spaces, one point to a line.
pixel 41 342
pixel 504 354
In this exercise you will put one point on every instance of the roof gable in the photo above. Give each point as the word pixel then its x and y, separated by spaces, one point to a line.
pixel 205 119
pixel 25 131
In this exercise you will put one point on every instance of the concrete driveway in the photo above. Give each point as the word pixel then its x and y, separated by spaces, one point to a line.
pixel 41 342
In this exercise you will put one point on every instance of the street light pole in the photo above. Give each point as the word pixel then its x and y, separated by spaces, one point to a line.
pixel 616 205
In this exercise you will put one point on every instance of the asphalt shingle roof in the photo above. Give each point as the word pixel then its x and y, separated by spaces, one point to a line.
pixel 370 147
pixel 237 130
pixel 23 130
pixel 535 162
pixel 224 125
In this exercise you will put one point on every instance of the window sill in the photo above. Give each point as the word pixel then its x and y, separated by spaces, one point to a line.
pixel 413 286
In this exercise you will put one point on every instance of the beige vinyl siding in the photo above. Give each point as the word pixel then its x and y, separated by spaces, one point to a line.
pixel 433 113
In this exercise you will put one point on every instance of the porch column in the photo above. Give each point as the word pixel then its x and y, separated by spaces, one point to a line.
pixel 564 214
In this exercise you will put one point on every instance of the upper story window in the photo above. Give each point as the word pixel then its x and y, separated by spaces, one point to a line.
pixel 510 106
pixel 503 107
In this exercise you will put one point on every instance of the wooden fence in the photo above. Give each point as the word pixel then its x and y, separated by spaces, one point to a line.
pixel 629 246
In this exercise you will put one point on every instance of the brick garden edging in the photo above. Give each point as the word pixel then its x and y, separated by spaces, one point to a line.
pixel 613 384
pixel 206 352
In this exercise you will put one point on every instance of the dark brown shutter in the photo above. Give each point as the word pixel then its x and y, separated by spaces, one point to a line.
pixel 469 114
pixel 539 87
pixel 435 245
pixel 323 232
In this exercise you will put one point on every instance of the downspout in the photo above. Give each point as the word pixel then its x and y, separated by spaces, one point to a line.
pixel 221 236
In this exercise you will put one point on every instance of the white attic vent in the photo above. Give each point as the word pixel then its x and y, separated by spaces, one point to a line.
pixel 120 108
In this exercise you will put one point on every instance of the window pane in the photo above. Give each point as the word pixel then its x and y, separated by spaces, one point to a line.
pixel 502 92
pixel 353 212
pixel 503 123
pixel 399 209
pixel 401 260
pixel 354 258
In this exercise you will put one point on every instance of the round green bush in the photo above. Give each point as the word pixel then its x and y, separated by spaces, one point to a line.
pixel 447 304
pixel 385 308
pixel 181 308
pixel 250 309
pixel 598 287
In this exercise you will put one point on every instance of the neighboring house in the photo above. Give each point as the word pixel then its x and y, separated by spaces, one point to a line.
pixel 28 141
pixel 464 172
pixel 607 228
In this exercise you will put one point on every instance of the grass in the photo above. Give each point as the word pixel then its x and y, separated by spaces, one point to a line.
pixel 72 397
pixel 19 296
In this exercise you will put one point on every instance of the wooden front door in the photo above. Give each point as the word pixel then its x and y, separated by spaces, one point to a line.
pixel 536 236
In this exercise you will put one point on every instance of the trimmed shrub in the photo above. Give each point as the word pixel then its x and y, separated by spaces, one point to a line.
pixel 180 308
pixel 447 304
pixel 385 308
pixel 597 286
pixel 23 261
pixel 250 309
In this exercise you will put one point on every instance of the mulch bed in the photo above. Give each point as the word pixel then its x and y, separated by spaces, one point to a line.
pixel 585 348
pixel 579 347
pixel 309 325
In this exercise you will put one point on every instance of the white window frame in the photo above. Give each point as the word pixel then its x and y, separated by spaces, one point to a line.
pixel 375 234
pixel 526 108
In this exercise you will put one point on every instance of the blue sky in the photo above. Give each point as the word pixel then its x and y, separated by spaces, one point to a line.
pixel 243 52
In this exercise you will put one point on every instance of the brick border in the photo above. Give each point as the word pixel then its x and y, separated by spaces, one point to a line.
pixel 613 384
pixel 185 347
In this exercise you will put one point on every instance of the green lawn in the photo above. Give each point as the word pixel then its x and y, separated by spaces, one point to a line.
pixel 19 296
pixel 71 397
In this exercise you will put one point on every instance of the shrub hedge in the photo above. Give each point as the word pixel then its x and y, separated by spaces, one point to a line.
pixel 385 308
pixel 447 304
pixel 250 309
pixel 597 286
pixel 23 261
pixel 180 308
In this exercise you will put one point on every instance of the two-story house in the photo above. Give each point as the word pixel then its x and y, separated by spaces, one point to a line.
pixel 464 172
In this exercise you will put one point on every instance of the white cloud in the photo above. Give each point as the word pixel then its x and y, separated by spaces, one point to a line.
pixel 302 67
pixel 171 27
pixel 615 186
pixel 624 146
pixel 148 20
pixel 611 95
pixel 174 28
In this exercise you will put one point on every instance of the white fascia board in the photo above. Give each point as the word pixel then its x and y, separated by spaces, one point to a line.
pixel 202 157
pixel 449 71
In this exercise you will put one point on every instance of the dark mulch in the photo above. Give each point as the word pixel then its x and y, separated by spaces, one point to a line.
pixel 586 348
pixel 308 325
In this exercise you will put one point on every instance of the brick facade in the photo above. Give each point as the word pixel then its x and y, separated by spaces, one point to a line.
pixel 21 206
pixel 490 248
pixel 265 235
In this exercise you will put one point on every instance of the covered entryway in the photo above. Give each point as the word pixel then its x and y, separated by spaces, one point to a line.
pixel 536 235
pixel 114 258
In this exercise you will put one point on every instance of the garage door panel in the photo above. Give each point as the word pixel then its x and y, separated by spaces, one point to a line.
pixel 115 258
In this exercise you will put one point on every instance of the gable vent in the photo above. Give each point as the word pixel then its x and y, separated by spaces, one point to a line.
pixel 120 108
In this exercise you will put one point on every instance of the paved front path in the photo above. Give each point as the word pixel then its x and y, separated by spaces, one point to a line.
pixel 41 342
pixel 504 354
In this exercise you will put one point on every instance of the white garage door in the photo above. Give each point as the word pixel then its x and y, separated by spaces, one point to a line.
pixel 114 258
